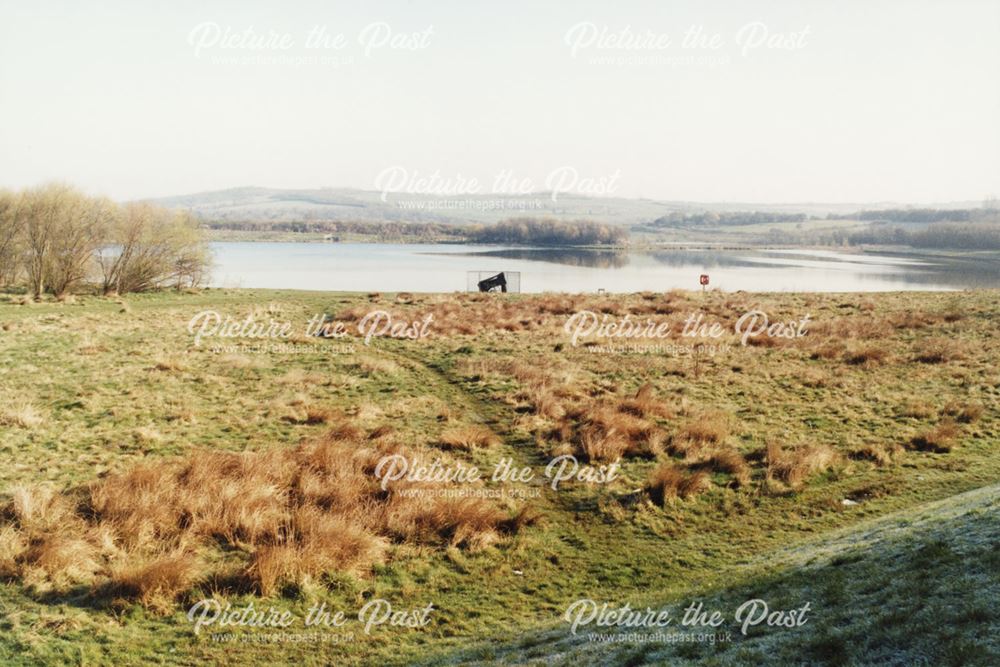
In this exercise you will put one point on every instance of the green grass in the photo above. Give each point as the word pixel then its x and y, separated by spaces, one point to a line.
pixel 913 587
pixel 115 384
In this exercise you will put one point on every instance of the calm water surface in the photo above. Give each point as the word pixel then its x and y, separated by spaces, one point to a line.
pixel 445 268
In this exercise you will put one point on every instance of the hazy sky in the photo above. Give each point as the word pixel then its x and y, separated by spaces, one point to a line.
pixel 798 101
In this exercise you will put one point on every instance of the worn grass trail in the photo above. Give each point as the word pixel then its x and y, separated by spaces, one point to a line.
pixel 113 384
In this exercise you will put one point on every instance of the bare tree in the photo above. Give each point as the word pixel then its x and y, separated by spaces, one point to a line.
pixel 57 238
pixel 193 260
pixel 41 207
pixel 11 227
pixel 81 234
pixel 63 230
pixel 151 247
pixel 123 258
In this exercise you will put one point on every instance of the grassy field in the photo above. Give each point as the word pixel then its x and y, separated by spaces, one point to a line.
pixel 144 472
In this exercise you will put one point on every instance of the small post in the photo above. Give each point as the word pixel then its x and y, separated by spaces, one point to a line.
pixel 703 279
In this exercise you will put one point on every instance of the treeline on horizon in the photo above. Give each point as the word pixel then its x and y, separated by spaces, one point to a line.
pixel 947 229
pixel 516 231
pixel 54 240
pixel 901 215
pixel 687 219
pixel 339 229
pixel 925 215
pixel 548 231
pixel 945 235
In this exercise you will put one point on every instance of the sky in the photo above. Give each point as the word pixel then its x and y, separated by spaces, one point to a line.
pixel 749 101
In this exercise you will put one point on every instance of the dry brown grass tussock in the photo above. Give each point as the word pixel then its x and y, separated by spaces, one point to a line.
pixel 940 439
pixel 939 351
pixel 860 327
pixel 669 482
pixel 794 466
pixel 153 532
pixel 169 364
pixel 965 413
pixel 880 454
pixel 917 409
pixel 21 414
pixel 469 437
pixel 602 427
pixel 912 319
pixel 866 355
pixel 730 462
pixel 828 349
pixel 607 430
pixel 708 427
pixel 645 404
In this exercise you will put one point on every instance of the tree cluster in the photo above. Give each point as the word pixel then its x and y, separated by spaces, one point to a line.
pixel 550 232
pixel 54 239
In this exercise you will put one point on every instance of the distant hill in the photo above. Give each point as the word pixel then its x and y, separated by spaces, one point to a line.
pixel 282 205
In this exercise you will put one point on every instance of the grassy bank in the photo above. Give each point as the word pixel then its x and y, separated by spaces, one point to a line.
pixel 729 455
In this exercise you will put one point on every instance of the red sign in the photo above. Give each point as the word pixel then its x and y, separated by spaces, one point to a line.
pixel 703 279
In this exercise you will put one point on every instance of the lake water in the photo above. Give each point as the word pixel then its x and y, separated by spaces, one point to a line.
pixel 445 268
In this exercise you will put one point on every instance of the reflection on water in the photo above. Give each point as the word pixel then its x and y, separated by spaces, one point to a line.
pixel 598 259
pixel 968 272
pixel 929 271
pixel 708 259
pixel 443 268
